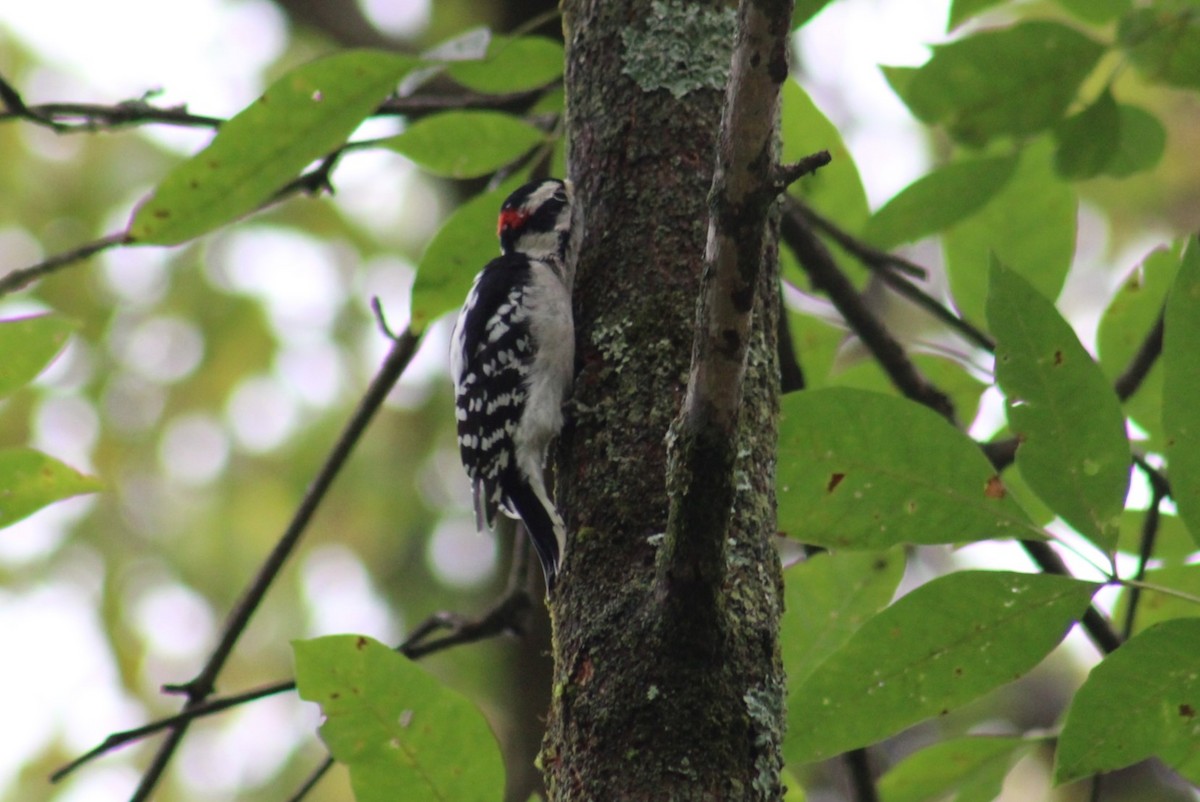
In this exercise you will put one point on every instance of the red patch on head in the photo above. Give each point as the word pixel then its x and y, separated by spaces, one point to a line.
pixel 511 219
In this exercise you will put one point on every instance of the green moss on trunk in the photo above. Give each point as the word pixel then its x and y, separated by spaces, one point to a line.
pixel 639 712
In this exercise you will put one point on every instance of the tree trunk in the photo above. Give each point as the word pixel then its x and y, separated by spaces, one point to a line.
pixel 643 708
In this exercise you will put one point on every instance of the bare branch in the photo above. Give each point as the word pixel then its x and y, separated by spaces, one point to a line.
pixel 201 687
pixel 787 174
pixel 889 267
pixel 1098 627
pixel 317 775
pixel 119 739
pixel 23 277
pixel 67 118
pixel 819 263
pixel 862 779
pixel 791 375
pixel 870 256
pixel 745 185
pixel 1139 367
pixel 509 615
pixel 1159 490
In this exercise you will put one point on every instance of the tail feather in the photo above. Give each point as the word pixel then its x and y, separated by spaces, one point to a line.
pixel 545 526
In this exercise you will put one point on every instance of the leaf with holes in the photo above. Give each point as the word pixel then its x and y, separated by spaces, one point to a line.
pixel 402 734
pixel 829 596
pixel 1181 388
pixel 1142 701
pixel 1073 450
pixel 865 470
pixel 29 345
pixel 944 644
pixel 301 117
pixel 30 480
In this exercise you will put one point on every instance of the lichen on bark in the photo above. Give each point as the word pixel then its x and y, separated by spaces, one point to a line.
pixel 641 710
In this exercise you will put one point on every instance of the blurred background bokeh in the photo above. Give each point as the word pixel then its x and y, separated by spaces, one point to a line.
pixel 206 383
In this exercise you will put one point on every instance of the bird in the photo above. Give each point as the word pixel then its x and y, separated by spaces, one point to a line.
pixel 512 359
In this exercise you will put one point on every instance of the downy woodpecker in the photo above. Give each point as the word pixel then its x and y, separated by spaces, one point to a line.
pixel 512 360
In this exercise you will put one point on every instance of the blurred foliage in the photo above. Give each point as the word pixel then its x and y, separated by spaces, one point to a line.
pixel 204 385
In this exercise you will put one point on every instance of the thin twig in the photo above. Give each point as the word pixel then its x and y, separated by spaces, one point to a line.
pixel 1097 626
pixel 509 615
pixel 791 375
pixel 784 175
pixel 22 277
pixel 65 118
pixel 317 775
pixel 870 256
pixel 890 267
pixel 1159 490
pixel 862 781
pixel 825 275
pixel 1139 366
pixel 201 687
pixel 118 739
pixel 822 269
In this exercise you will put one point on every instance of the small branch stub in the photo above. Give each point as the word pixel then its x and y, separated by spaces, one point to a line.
pixel 784 175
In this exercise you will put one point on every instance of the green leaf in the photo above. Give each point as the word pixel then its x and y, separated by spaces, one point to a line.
pixel 944 644
pixel 1142 701
pixel 1088 141
pixel 1181 388
pixel 30 480
pixel 1155 606
pixel 973 766
pixel 470 45
pixel 1164 43
pixel 867 471
pixel 465 144
pixel 829 596
pixel 1172 545
pixel 836 190
pixel 947 373
pixel 1073 452
pixel 899 78
pixel 1012 81
pixel 511 65
pixel 1029 225
pixel 1143 142
pixel 29 345
pixel 963 10
pixel 401 733
pixel 1096 12
pixel 793 790
pixel 1130 316
pixel 806 10
pixel 461 247
pixel 304 115
pixel 938 200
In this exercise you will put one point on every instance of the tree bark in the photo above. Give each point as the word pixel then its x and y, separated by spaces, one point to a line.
pixel 647 702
